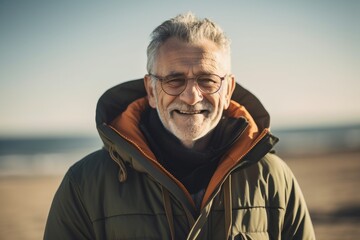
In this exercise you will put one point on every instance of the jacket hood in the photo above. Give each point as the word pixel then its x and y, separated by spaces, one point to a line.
pixel 115 100
pixel 119 110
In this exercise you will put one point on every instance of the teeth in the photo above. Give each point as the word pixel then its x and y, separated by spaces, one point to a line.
pixel 195 112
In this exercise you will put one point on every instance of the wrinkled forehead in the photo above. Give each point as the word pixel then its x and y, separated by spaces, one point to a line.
pixel 203 56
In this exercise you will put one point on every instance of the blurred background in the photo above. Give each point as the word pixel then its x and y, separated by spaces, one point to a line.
pixel 301 59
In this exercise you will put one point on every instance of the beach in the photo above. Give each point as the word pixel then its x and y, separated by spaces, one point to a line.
pixel 329 183
pixel 24 205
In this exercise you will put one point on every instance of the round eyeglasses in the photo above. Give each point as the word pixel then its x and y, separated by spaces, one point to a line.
pixel 174 85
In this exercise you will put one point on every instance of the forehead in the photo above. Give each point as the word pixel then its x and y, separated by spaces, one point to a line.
pixel 176 56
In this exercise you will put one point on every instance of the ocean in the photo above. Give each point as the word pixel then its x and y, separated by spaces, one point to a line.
pixel 54 155
pixel 43 155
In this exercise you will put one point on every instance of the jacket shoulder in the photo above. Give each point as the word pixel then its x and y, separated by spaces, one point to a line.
pixel 91 173
pixel 94 164
pixel 276 167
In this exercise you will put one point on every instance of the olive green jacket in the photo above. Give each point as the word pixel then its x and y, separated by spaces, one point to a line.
pixel 122 192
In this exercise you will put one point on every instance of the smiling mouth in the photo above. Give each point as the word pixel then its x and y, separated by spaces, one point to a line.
pixel 191 112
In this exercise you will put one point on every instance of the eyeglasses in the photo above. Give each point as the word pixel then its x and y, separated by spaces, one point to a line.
pixel 174 85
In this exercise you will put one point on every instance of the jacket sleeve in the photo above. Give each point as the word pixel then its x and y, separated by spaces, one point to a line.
pixel 68 218
pixel 297 221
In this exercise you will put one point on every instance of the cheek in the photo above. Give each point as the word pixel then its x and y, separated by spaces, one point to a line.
pixel 218 102
pixel 219 105
pixel 157 97
pixel 163 101
pixel 223 99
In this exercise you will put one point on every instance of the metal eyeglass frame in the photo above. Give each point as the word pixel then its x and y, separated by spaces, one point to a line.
pixel 161 79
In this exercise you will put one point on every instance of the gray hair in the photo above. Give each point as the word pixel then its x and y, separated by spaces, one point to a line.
pixel 188 28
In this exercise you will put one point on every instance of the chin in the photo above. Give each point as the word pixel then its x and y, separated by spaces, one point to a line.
pixel 188 134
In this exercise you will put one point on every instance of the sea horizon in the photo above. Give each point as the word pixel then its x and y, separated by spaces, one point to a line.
pixel 53 155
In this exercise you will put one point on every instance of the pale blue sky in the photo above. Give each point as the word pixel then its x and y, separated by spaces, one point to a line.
pixel 302 59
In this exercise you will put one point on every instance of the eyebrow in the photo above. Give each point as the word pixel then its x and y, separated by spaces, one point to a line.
pixel 174 73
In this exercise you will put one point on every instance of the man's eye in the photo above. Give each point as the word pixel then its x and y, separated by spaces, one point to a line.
pixel 207 81
pixel 175 82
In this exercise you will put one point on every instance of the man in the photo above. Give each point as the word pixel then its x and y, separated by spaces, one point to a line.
pixel 186 156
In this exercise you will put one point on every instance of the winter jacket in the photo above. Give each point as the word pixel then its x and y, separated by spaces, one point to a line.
pixel 122 192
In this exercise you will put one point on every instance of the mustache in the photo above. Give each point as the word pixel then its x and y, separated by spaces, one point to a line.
pixel 200 106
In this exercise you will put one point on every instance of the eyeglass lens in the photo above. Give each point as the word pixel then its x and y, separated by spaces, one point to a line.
pixel 177 84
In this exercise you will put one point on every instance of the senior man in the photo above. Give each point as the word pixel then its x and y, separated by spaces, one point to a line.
pixel 187 154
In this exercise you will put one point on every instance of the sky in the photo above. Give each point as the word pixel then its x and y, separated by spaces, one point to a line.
pixel 300 58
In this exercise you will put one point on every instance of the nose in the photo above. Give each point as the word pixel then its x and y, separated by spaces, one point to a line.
pixel 192 94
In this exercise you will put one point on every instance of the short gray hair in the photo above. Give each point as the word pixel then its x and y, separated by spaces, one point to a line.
pixel 188 28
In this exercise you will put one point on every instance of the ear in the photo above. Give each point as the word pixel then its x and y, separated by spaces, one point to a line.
pixel 230 89
pixel 150 91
